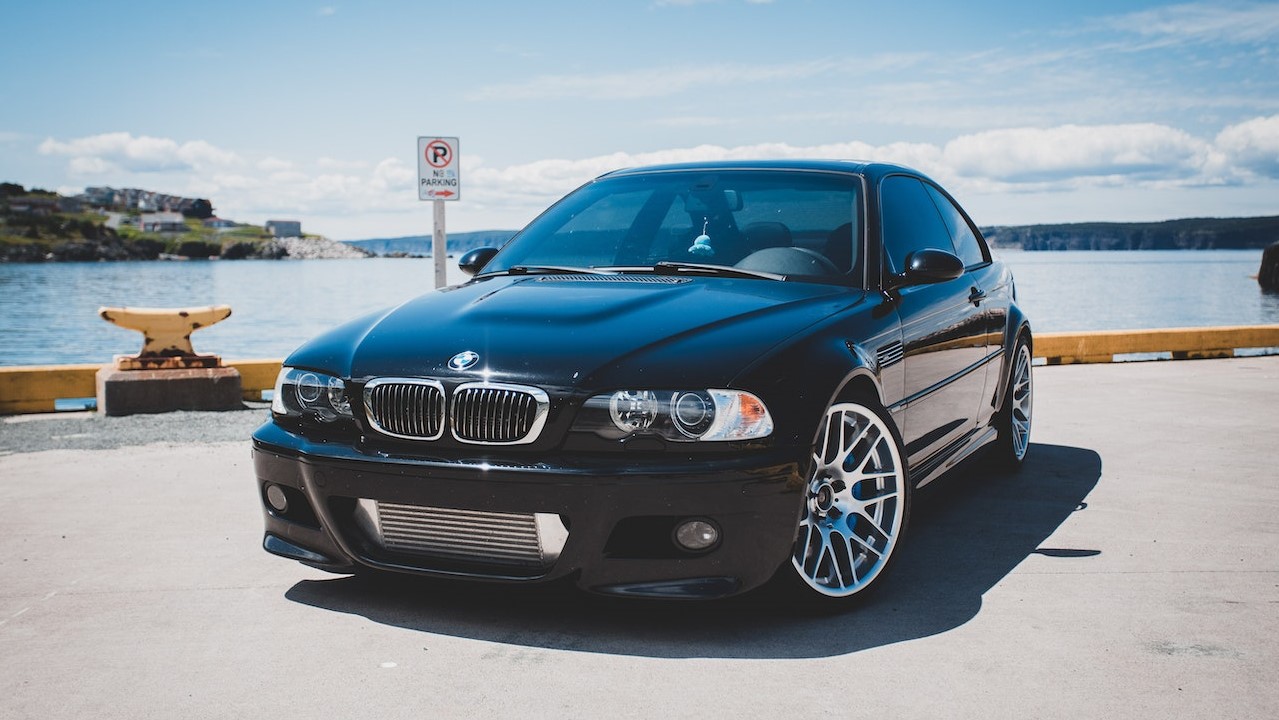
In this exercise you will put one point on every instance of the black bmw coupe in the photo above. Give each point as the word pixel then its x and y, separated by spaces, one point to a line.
pixel 678 381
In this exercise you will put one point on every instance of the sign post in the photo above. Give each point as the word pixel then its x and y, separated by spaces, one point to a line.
pixel 438 180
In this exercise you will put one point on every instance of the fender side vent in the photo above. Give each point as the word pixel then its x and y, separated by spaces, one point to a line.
pixel 890 354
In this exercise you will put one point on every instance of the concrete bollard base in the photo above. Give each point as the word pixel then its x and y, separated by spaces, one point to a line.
pixel 129 392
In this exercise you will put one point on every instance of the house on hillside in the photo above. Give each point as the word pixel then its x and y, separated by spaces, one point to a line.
pixel 284 228
pixel 42 205
pixel 164 222
pixel 220 224
pixel 103 197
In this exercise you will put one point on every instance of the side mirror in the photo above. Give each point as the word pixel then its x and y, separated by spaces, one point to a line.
pixel 924 267
pixel 475 260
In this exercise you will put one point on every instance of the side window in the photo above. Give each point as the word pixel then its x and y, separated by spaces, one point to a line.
pixel 967 246
pixel 909 220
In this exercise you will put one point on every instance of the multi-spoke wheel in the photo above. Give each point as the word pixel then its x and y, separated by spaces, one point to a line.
pixel 1014 417
pixel 856 504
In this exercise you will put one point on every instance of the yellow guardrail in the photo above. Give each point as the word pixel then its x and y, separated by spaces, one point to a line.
pixel 1182 343
pixel 37 388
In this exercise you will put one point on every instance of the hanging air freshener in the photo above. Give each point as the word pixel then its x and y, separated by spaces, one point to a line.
pixel 702 243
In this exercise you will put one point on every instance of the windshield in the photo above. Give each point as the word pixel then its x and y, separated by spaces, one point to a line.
pixel 791 223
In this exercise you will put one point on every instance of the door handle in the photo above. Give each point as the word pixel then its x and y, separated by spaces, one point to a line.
pixel 976 296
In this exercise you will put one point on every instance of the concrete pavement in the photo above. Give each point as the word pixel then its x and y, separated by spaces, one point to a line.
pixel 1130 570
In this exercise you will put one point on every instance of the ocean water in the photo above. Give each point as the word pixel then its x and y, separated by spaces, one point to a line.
pixel 1122 290
pixel 48 312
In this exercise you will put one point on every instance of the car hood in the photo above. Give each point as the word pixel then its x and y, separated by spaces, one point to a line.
pixel 580 330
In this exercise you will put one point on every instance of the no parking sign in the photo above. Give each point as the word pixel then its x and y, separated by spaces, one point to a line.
pixel 437 169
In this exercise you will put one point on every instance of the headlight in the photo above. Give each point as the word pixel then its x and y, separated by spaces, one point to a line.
pixel 677 415
pixel 309 394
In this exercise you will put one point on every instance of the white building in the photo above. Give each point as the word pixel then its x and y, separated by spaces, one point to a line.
pixel 284 228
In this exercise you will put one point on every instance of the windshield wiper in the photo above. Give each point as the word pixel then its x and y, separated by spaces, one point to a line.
pixel 674 267
pixel 556 269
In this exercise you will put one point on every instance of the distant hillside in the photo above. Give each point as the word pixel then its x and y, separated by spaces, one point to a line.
pixel 420 245
pixel 1187 234
pixel 106 224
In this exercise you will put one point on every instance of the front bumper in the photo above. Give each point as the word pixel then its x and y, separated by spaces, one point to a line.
pixel 616 509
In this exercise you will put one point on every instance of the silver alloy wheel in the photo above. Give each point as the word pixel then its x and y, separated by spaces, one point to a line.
pixel 1021 401
pixel 854 505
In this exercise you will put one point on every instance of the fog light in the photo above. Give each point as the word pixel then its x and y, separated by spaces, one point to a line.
pixel 276 498
pixel 696 535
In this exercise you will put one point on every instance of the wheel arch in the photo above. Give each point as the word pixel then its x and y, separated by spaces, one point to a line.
pixel 859 383
pixel 1017 327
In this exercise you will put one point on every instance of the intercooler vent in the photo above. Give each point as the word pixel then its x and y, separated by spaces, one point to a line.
pixel 527 540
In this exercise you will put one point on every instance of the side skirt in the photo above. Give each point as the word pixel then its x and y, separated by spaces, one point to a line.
pixel 952 455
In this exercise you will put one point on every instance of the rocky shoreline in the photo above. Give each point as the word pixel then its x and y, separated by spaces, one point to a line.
pixel 114 249
pixel 317 248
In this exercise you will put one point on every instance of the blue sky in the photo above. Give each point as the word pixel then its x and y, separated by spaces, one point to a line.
pixel 1027 112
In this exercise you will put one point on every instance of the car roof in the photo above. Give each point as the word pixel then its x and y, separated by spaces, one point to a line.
pixel 870 169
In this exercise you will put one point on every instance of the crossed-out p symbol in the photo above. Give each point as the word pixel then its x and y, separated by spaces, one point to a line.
pixel 438 154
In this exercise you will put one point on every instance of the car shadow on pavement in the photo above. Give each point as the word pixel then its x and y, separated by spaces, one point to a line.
pixel 968 531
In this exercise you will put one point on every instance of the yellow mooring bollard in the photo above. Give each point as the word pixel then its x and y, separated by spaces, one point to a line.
pixel 167 374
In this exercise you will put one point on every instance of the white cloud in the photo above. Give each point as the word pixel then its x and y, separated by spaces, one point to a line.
pixel 1062 158
pixel 122 151
pixel 274 164
pixel 89 166
pixel 1252 146
pixel 329 163
pixel 394 175
pixel 317 191
pixel 1072 152
pixel 199 154
pixel 1203 22
pixel 364 199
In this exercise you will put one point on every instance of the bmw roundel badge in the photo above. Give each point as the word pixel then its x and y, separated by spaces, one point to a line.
pixel 464 360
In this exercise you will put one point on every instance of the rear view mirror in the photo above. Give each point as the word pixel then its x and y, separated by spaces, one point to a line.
pixel 927 266
pixel 475 260
pixel 702 203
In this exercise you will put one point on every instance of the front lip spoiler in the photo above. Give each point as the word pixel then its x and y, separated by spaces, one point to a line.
pixel 690 588
pixel 279 546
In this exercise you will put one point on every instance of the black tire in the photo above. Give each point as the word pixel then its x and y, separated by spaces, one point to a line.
pixel 1013 420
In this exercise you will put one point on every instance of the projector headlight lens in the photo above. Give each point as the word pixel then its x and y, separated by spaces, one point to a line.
pixel 677 415
pixel 633 411
pixel 312 395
